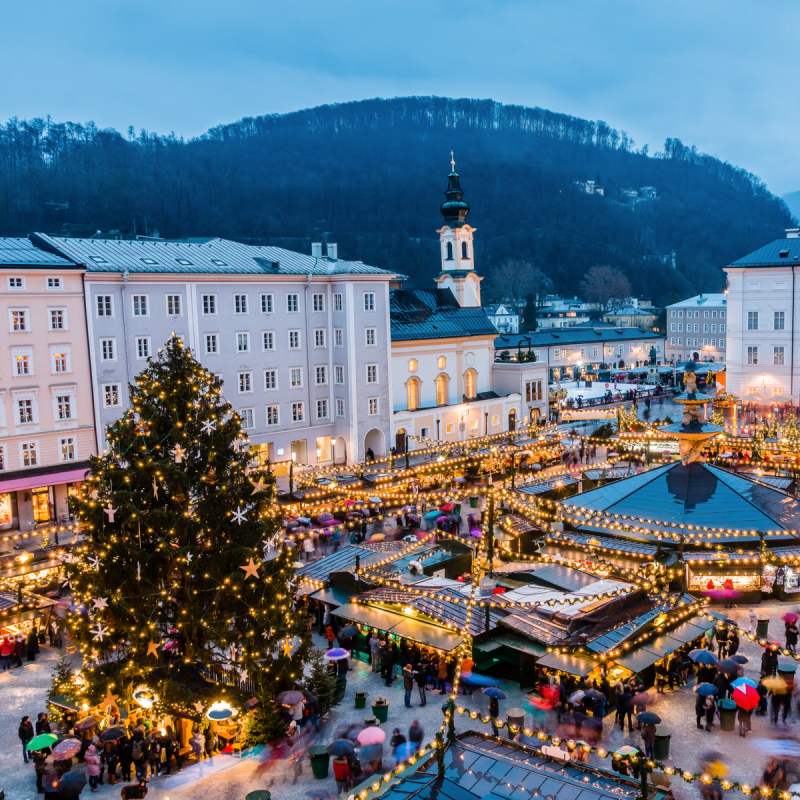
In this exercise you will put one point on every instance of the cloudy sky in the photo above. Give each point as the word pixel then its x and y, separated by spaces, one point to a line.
pixel 715 74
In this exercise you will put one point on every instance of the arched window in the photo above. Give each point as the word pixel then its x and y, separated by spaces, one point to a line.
pixel 442 390
pixel 470 384
pixel 449 251
pixel 464 251
pixel 412 390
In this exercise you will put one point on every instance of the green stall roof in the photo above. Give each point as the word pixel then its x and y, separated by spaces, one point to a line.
pixel 572 663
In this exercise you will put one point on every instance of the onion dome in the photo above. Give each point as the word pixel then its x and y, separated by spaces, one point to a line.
pixel 454 209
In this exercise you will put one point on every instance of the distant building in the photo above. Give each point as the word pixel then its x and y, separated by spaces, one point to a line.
pixel 667 259
pixel 565 315
pixel 630 317
pixel 590 187
pixel 648 192
pixel 504 317
pixel 696 329
pixel 630 193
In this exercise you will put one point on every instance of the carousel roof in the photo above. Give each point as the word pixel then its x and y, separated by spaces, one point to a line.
pixel 697 494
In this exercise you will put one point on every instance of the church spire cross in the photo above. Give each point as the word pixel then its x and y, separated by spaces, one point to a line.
pixel 452 161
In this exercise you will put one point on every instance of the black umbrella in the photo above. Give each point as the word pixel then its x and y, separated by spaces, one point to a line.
pixel 113 734
pixel 728 665
pixel 87 724
pixel 50 781
pixel 289 698
pixel 739 659
pixel 593 694
pixel 71 785
pixel 341 747
pixel 348 632
pixel 648 718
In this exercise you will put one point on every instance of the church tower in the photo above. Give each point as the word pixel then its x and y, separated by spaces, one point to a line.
pixel 455 240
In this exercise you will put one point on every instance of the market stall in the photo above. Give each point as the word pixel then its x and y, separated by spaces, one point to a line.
pixel 722 576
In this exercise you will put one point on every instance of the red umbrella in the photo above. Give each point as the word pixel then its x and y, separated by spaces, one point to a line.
pixel 790 616
pixel 745 696
pixel 349 502
pixel 446 507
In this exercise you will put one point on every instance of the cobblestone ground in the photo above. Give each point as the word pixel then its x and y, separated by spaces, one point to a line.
pixel 225 776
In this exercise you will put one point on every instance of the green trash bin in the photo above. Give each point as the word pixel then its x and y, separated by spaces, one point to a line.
pixel 318 756
pixel 727 714
pixel 473 501
pixel 762 630
pixel 380 709
pixel 661 746
pixel 361 699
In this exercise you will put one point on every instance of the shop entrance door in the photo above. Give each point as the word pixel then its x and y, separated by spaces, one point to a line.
pixel 41 504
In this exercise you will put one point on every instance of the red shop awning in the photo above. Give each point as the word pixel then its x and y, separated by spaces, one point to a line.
pixel 33 481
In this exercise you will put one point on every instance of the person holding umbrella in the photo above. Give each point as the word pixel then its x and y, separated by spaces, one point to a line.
pixel 495 696
pixel 649 737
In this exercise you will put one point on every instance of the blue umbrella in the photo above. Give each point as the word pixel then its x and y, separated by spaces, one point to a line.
pixel 744 682
pixel 473 679
pixel 341 747
pixel 493 691
pixel 777 747
pixel 703 657
pixel 705 689
pixel 433 514
pixel 404 751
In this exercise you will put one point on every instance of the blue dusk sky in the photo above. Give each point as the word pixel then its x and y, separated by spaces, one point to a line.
pixel 715 74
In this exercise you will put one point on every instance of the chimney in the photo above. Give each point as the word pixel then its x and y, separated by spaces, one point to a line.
pixel 316 249
pixel 333 249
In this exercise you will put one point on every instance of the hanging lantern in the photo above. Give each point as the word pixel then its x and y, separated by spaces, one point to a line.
pixel 144 696
pixel 210 477
pixel 220 711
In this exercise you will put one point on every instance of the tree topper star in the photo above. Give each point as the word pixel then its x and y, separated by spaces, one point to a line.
pixel 239 516
pixel 251 569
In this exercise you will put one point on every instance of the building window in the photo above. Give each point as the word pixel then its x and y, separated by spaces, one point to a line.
pixel 294 340
pixel 713 315
pixel 142 347
pixel 752 320
pixel 370 337
pixel 672 340
pixel 777 357
pixel 780 320
pixel 296 377
pixel 714 343
pixel 16 283
pixel 372 373
pixel 108 350
pixel 369 301
pixel 292 303
pixel 373 406
pixel 680 327
pixel 752 355
pixel 23 365
pixel 464 250
pixel 58 319
pixel 318 302
pixel 680 341
pixel 240 304
pixel 722 328
pixel 297 412
pixel 322 409
pixel 209 304
pixel 60 363
pixel 470 384
pixel 705 342
pixel 713 328
pixel 337 302
pixel 272 416
pixel 25 410
pixel 705 314
pixel 412 365
pixel 246 416
pixel 338 337
pixel 319 337
pixel 19 320
pixel 267 303
pixel 672 313
pixel 442 390
pixel 140 305
pixel 270 379
pixel 412 392
pixel 111 394
pixel 338 372
pixel 495 419
pixel 722 315
pixel 321 375
pixel 245 382
pixel 339 407
pixel 242 342
pixel 722 343
pixel 473 424
pixel 173 305
pixel 705 327
pixel 212 344
pixel 29 454
pixel 533 391
pixel 441 362
pixel 64 407
pixel 268 340
pixel 556 355
pixel 449 248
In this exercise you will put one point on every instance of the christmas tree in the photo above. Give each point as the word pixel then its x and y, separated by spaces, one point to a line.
pixel 321 682
pixel 264 724
pixel 175 530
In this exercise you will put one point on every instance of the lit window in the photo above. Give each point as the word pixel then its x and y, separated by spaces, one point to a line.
pixel 441 362
pixel 297 412
pixel 412 390
pixel 272 416
pixel 449 427
pixel 296 377
pixel 25 410
pixel 442 390
pixel 495 419
pixel 412 365
pixel 19 320
pixel 473 424
pixel 64 407
pixel 111 394
pixel 29 454
pixel 373 406
pixel 60 362
pixel 470 384
pixel 23 365
pixel 777 357
pixel 245 382
pixel 752 355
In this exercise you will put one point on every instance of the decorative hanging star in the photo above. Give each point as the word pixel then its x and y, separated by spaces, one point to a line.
pixel 152 649
pixel 110 510
pixel 287 647
pixel 239 516
pixel 94 494
pixel 178 453
pixel 251 569
pixel 209 425
pixel 100 603
pixel 110 699
pixel 94 561
pixel 237 444
pixel 258 486
pixel 199 707
pixel 155 489
pixel 68 583
pixel 99 632
pixel 189 558
pixel 244 675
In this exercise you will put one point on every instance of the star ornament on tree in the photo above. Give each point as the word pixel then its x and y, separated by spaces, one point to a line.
pixel 209 425
pixel 152 649
pixel 100 603
pixel 258 486
pixel 99 632
pixel 198 706
pixel 94 561
pixel 239 515
pixel 251 569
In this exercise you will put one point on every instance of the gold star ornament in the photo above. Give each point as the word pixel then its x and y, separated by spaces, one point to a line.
pixel 251 569
pixel 152 649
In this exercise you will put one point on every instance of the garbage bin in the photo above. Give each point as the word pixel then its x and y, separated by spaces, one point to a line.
pixel 370 720
pixel 318 756
pixel 380 708
pixel 727 714
pixel 661 746
pixel 361 699
pixel 515 716
pixel 762 630
pixel 473 501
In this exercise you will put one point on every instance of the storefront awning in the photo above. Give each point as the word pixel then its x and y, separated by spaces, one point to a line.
pixel 67 703
pixel 332 595
pixel 34 481
pixel 649 653
pixel 639 659
pixel 568 662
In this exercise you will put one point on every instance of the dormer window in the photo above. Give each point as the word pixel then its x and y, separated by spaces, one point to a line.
pixel 464 250
pixel 449 256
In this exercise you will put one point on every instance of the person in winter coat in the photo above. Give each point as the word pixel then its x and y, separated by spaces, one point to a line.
pixel 442 675
pixel 625 708
pixel 753 617
pixel 791 636
pixel 33 645
pixel 722 684
pixel 25 734
pixel 125 753
pixel 43 723
pixel 494 713
pixel 408 684
pixel 171 748
pixel 699 708
pixel 416 734
pixel 19 650
pixel 198 743
pixel 109 757
pixel 93 767
pixel 421 676
pixel 744 715
pixel 6 651
pixel 374 653
pixel 386 663
pixel 139 754
pixel 649 736
pixel 342 774
pixel 396 740
pixel 154 753
pixel 710 706
pixel 733 644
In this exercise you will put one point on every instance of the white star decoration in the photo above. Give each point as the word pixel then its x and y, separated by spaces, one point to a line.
pixel 209 425
pixel 100 603
pixel 259 486
pixel 94 561
pixel 244 675
pixel 99 632
pixel 239 516
pixel 199 706
pixel 189 558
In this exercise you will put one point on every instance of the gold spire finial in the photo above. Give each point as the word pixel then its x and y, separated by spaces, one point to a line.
pixel 452 161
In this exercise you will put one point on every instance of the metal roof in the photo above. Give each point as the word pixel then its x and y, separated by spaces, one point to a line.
pixel 434 314
pixel 770 255
pixel 606 543
pixel 572 336
pixel 702 301
pixel 215 256
pixel 344 560
pixel 22 253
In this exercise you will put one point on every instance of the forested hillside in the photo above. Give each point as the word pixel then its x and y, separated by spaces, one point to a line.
pixel 373 174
